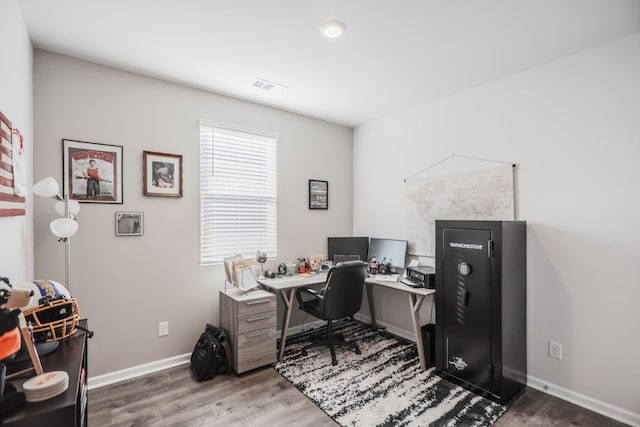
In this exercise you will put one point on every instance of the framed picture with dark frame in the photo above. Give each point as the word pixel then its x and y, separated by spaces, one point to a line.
pixel 92 172
pixel 129 223
pixel 318 194
pixel 162 174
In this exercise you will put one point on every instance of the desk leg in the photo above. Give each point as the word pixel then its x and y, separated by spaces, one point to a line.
pixel 287 298
pixel 415 301
pixel 372 311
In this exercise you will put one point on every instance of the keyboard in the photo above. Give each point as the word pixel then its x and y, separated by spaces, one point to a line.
pixel 410 282
pixel 386 277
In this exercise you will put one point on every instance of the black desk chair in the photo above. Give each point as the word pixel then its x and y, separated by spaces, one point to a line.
pixel 341 297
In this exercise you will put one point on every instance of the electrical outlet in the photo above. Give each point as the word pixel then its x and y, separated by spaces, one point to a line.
pixel 555 350
pixel 163 329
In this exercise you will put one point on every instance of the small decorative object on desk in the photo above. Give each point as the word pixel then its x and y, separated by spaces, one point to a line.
pixel 315 261
pixel 45 386
pixel 282 269
pixel 261 258
pixel 373 265
pixel 229 270
pixel 292 269
pixel 302 265
pixel 246 279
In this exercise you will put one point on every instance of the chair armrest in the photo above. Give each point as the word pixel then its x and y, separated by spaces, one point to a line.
pixel 311 292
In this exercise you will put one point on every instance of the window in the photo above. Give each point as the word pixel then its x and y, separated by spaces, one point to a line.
pixel 238 197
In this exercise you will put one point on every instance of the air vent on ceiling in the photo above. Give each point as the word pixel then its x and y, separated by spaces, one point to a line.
pixel 267 85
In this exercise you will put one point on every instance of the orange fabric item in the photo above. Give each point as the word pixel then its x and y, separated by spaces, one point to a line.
pixel 9 343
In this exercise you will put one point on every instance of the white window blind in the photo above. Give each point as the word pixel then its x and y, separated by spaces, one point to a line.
pixel 238 193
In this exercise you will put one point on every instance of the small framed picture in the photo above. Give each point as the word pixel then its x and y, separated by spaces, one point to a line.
pixel 129 223
pixel 162 174
pixel 318 194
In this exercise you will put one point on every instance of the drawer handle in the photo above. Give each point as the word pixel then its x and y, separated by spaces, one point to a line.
pixel 256 319
pixel 262 301
pixel 258 334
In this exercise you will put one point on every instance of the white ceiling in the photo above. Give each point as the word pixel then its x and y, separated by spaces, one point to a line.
pixel 394 55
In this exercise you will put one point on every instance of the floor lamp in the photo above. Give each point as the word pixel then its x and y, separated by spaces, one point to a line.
pixel 63 227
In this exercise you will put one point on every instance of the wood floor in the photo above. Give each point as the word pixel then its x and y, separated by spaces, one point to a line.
pixel 263 398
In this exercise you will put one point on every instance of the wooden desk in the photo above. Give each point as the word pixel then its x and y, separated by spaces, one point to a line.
pixel 286 288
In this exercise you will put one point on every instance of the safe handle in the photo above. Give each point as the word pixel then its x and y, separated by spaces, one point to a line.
pixel 466 298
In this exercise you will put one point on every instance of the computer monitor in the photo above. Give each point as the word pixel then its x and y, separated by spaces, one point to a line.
pixel 389 251
pixel 352 246
pixel 346 258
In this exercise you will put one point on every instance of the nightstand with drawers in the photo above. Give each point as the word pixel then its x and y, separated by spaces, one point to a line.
pixel 250 320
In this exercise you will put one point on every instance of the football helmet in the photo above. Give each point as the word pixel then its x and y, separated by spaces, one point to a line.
pixel 53 314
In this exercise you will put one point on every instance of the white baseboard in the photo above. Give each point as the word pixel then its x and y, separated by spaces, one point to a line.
pixel 137 371
pixel 594 405
pixel 303 328
pixel 159 365
pixel 402 333
pixel 587 402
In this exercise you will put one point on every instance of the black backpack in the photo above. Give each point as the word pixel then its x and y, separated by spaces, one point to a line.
pixel 211 354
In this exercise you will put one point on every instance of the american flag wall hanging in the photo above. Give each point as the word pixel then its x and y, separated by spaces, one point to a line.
pixel 10 203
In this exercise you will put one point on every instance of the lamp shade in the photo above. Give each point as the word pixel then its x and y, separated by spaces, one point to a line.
pixel 74 207
pixel 64 227
pixel 47 187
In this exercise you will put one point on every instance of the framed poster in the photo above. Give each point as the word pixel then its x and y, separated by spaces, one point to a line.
pixel 129 223
pixel 91 172
pixel 162 174
pixel 318 194
pixel 12 190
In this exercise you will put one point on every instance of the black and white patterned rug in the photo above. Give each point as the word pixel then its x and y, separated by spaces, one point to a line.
pixel 383 386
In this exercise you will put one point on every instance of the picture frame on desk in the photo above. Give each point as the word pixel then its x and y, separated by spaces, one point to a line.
pixel 247 280
pixel 318 194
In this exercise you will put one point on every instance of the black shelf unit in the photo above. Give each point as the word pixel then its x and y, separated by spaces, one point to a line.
pixel 481 306
pixel 69 409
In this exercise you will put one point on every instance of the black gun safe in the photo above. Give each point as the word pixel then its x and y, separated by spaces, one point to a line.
pixel 481 306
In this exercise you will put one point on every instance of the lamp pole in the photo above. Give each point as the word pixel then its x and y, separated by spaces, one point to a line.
pixel 67 248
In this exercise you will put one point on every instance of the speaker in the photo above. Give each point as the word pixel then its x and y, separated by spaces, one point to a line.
pixel 429 344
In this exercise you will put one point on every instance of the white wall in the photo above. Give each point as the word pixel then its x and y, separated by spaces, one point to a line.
pixel 573 128
pixel 16 102
pixel 126 285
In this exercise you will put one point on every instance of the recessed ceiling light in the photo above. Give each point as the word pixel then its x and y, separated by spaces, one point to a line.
pixel 333 29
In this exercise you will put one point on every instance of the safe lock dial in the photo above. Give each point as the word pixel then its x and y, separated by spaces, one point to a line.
pixel 464 268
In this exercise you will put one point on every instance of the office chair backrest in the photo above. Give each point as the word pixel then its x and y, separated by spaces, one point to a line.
pixel 343 292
